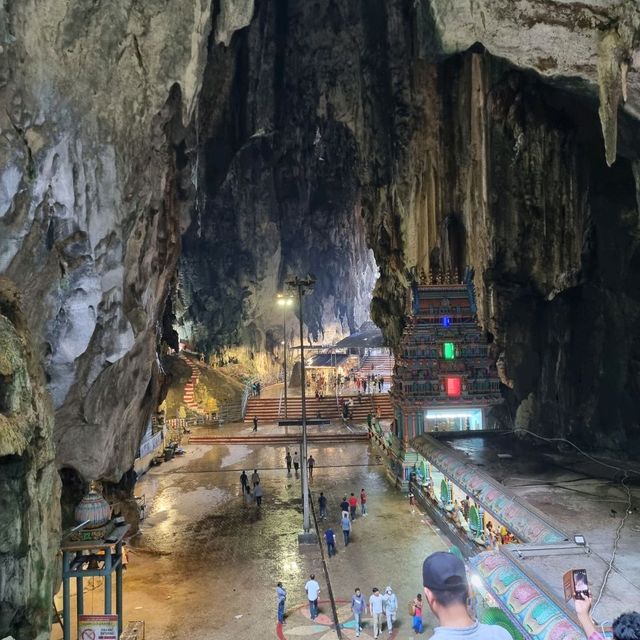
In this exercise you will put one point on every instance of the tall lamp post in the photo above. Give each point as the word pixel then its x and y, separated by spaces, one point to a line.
pixel 301 285
pixel 284 302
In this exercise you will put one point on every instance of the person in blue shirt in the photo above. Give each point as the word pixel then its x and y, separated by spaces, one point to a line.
pixel 330 537
pixel 358 606
pixel 346 527
pixel 281 594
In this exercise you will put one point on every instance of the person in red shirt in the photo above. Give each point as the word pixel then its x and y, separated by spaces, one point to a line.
pixel 363 502
pixel 353 504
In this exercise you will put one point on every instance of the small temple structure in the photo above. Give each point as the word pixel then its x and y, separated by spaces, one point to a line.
pixel 444 377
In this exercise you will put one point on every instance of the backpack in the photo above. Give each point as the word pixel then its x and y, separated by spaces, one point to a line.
pixel 412 608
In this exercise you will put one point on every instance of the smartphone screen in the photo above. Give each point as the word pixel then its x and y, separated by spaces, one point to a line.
pixel 580 583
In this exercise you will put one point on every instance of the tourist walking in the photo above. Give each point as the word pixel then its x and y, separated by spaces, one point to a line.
pixel 416 625
pixel 255 423
pixel 313 589
pixel 255 477
pixel 244 480
pixel 322 503
pixel 358 606
pixel 287 459
pixel 257 492
pixel 346 528
pixel 390 607
pixel 363 502
pixel 281 594
pixel 344 505
pixel 330 537
pixel 353 504
pixel 446 588
pixel 296 462
pixel 376 606
pixel 311 463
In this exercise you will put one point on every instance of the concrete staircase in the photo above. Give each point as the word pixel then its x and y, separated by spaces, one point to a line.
pixel 266 409
pixel 188 397
pixel 382 366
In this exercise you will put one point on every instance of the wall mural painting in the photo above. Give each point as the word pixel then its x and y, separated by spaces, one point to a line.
pixel 528 605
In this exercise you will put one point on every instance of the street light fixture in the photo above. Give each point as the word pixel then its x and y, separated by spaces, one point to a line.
pixel 284 302
pixel 302 285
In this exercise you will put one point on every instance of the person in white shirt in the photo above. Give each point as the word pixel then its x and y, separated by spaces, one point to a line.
pixel 313 589
pixel 376 604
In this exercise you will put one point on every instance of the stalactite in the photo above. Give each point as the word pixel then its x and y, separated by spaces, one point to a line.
pixel 610 82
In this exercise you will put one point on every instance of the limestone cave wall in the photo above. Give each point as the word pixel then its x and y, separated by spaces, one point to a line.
pixel 450 134
pixel 279 186
pixel 29 482
pixel 94 97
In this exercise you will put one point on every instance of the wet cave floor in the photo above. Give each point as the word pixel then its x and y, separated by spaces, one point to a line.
pixel 207 560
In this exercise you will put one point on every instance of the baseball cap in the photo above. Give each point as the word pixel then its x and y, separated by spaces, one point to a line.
pixel 442 571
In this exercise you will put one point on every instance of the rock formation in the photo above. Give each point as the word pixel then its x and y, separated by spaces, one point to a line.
pixel 29 482
pixel 462 133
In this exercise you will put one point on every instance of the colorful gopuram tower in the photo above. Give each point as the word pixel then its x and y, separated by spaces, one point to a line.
pixel 444 378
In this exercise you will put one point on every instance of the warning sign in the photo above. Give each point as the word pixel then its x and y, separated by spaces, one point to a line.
pixel 98 627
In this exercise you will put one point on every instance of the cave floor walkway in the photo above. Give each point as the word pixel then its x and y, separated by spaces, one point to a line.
pixel 207 560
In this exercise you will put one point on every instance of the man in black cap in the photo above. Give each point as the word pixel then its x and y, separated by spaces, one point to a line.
pixel 445 585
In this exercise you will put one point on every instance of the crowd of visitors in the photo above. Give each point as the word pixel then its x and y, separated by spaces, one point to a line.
pixel 447 593
pixel 323 385
pixel 449 596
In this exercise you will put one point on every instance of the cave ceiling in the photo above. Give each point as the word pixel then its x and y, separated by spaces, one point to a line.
pixel 199 155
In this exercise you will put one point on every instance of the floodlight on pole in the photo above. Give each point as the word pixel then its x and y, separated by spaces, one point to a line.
pixel 284 301
pixel 301 285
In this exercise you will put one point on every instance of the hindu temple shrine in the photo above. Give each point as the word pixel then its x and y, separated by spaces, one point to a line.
pixel 445 377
